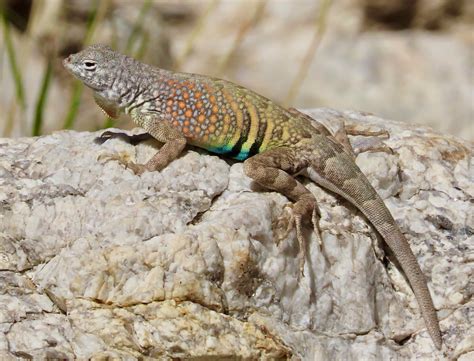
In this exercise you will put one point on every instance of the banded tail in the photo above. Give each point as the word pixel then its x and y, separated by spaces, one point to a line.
pixel 339 174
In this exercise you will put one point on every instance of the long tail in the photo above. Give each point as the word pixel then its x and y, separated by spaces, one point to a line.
pixel 335 170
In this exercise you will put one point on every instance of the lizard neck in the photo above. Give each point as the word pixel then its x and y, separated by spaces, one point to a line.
pixel 134 85
pixel 147 91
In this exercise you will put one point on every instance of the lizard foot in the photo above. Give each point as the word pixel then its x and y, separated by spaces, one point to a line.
pixel 298 219
pixel 138 169
pixel 380 147
pixel 372 144
pixel 294 219
pixel 365 131
pixel 284 224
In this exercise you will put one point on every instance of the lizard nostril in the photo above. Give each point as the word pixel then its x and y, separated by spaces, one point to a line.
pixel 67 62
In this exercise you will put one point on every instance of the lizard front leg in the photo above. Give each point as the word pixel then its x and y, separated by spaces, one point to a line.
pixel 271 169
pixel 160 129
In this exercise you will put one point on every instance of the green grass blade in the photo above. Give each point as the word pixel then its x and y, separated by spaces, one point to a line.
pixel 15 69
pixel 197 30
pixel 109 123
pixel 319 31
pixel 100 9
pixel 137 26
pixel 74 104
pixel 39 108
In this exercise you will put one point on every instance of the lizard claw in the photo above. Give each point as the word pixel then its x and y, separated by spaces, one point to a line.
pixel 136 168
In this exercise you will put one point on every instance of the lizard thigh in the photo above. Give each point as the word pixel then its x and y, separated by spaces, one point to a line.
pixel 272 169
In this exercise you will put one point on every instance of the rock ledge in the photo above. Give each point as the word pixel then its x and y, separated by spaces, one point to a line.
pixel 98 262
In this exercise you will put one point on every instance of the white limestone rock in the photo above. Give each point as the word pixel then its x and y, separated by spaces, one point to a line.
pixel 96 261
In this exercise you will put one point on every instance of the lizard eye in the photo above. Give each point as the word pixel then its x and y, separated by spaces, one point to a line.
pixel 90 65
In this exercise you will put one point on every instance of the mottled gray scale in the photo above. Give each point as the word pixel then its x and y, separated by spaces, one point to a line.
pixel 357 186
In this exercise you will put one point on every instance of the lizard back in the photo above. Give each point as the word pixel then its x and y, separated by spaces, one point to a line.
pixel 223 117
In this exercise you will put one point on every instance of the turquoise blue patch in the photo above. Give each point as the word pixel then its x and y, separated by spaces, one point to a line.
pixel 226 150
pixel 242 156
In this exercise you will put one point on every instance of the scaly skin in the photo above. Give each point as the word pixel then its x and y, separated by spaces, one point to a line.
pixel 224 118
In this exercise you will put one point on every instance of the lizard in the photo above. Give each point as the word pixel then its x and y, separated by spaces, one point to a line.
pixel 274 143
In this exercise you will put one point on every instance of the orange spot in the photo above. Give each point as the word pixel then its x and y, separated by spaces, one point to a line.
pixel 174 114
pixel 170 82
pixel 212 99
pixel 201 118
pixel 176 123
pixel 215 108
pixel 213 118
pixel 186 130
pixel 197 95
pixel 185 95
pixel 197 130
pixel 168 109
pixel 169 102
pixel 205 138
pixel 189 113
pixel 182 105
pixel 199 105
pixel 212 128
pixel 186 123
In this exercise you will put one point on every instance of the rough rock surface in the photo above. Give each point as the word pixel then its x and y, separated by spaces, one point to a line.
pixel 96 261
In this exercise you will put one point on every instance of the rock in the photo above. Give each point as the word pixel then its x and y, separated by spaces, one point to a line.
pixel 98 262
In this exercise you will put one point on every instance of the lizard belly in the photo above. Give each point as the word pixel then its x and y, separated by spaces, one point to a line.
pixel 228 150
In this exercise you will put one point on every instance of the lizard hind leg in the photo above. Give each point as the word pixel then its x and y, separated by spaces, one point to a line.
pixel 374 145
pixel 340 131
pixel 273 169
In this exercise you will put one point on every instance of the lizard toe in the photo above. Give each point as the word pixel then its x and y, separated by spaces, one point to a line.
pixel 136 168
pixel 284 225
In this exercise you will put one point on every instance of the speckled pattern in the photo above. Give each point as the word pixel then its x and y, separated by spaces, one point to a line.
pixel 220 116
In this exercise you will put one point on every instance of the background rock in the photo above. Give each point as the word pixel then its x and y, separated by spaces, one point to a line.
pixel 96 261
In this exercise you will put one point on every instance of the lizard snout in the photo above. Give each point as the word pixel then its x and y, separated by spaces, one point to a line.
pixel 67 62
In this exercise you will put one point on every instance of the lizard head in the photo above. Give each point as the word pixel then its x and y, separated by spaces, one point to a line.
pixel 97 66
